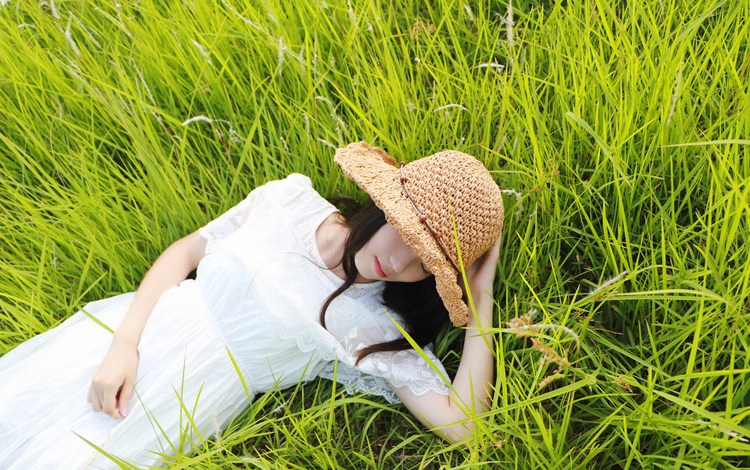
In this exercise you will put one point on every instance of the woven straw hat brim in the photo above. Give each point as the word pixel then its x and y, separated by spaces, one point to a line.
pixel 377 173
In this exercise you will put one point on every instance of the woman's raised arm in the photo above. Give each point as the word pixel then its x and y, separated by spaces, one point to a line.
pixel 118 370
pixel 452 416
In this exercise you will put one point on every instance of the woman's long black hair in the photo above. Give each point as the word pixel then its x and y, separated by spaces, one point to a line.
pixel 418 303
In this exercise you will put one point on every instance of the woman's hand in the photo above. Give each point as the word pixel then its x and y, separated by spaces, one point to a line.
pixel 112 385
pixel 481 273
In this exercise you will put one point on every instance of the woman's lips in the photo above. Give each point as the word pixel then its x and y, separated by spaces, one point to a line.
pixel 378 269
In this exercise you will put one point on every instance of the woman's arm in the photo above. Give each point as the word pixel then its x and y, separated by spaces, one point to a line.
pixel 452 416
pixel 169 269
pixel 472 384
pixel 113 383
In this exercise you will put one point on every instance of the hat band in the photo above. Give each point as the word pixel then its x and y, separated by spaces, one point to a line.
pixel 423 218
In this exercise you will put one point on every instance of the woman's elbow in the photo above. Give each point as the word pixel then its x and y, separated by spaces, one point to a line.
pixel 461 427
pixel 460 431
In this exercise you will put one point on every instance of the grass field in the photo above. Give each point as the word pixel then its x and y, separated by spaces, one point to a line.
pixel 620 130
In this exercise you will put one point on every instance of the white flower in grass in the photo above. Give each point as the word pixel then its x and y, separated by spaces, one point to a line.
pixel 51 4
pixel 87 31
pixel 608 282
pixel 324 99
pixel 494 65
pixel 451 105
pixel 352 16
pixel 232 133
pixel 270 15
pixel 217 429
pixel 734 434
pixel 523 326
pixel 233 136
pixel 315 56
pixel 675 94
pixel 327 143
pixel 69 37
pixel 279 409
pixel 301 58
pixel 340 124
pixel 251 23
pixel 140 75
pixel 517 196
pixel 509 23
pixel 468 12
pixel 197 119
pixel 282 48
pixel 75 71
pixel 203 52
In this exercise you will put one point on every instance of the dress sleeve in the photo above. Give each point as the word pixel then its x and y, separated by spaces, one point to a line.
pixel 276 193
pixel 229 221
pixel 379 373
pixel 405 368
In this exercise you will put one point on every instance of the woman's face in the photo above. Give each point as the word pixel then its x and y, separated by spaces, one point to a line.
pixel 387 251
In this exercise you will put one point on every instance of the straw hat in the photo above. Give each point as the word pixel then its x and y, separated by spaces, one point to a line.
pixel 417 197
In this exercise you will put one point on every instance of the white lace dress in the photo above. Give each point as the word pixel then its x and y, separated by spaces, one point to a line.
pixel 246 324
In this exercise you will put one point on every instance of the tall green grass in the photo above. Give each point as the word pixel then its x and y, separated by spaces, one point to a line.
pixel 620 130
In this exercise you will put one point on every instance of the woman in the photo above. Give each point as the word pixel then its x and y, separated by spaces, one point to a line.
pixel 268 309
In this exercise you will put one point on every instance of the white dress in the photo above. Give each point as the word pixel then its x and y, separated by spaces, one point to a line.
pixel 255 303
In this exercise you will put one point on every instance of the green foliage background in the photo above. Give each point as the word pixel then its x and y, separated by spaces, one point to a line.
pixel 620 127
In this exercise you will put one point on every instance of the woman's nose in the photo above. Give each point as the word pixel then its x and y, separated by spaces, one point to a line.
pixel 404 259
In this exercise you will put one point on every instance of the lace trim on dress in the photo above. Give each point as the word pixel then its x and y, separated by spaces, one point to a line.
pixel 404 368
pixel 410 371
pixel 355 381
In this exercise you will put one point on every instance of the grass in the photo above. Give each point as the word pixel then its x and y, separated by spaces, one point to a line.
pixel 621 128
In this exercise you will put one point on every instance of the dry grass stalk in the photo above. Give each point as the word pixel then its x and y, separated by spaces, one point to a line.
pixel 620 381
pixel 420 26
pixel 556 374
pixel 550 355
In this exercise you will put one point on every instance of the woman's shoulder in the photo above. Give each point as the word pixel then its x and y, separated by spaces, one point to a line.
pixel 286 192
pixel 293 182
pixel 295 199
pixel 299 179
pixel 302 195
